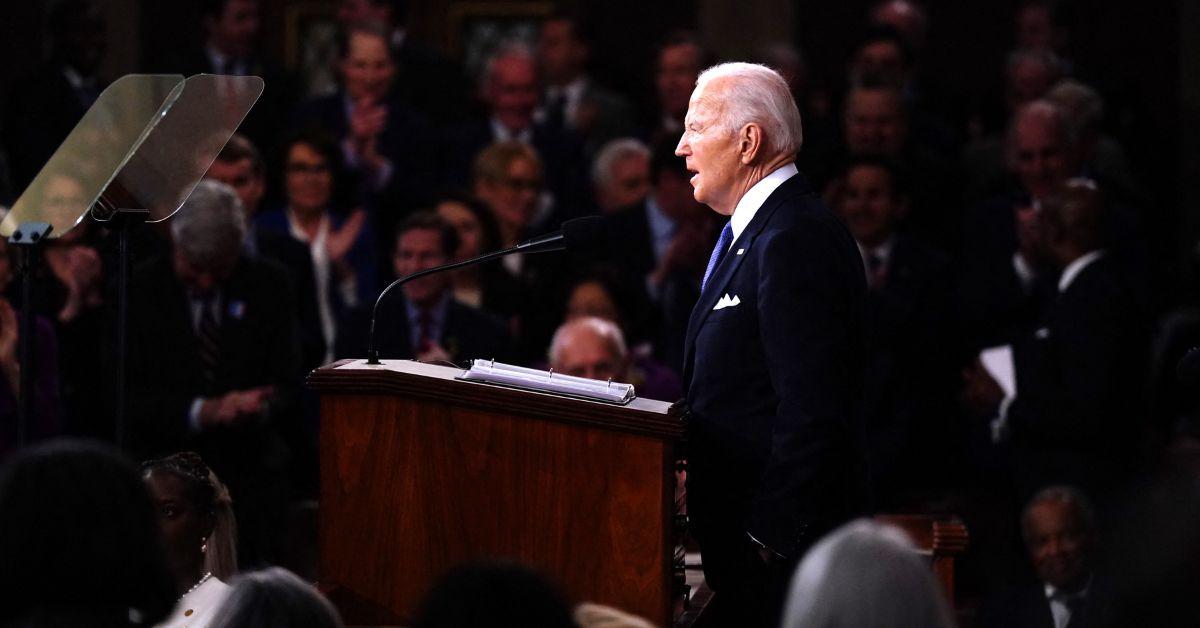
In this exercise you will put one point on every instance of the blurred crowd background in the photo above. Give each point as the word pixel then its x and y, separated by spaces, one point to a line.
pixel 1019 174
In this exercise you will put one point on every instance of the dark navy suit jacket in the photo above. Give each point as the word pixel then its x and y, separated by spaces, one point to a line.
pixel 775 449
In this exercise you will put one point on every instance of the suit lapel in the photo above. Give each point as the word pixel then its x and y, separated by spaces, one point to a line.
pixel 725 271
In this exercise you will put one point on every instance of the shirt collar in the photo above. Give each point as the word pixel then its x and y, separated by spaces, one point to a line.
pixel 883 251
pixel 753 199
pixel 1053 592
pixel 660 223
pixel 502 133
pixel 1074 268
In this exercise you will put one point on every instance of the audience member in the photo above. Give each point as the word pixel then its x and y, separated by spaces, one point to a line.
pixel 1060 532
pixel 908 18
pixel 621 175
pixel 680 59
pixel 876 123
pixel 661 249
pixel 507 177
pixel 42 108
pixel 424 79
pixel 79 545
pixel 480 285
pixel 1076 413
pixel 904 399
pixel 231 38
pixel 240 166
pixel 510 93
pixel 195 514
pixel 493 594
pixel 1004 283
pixel 594 347
pixel 214 361
pixel 1028 75
pixel 865 574
pixel 386 147
pixel 425 322
pixel 572 99
pixel 341 245
pixel 1101 157
pixel 275 597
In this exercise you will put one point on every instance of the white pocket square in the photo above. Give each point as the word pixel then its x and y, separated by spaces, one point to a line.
pixel 727 301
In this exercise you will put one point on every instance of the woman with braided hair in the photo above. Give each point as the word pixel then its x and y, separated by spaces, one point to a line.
pixel 199 532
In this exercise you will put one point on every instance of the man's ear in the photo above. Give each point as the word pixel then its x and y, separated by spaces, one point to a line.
pixel 750 140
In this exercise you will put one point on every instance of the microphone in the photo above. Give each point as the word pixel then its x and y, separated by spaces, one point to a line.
pixel 1188 368
pixel 584 234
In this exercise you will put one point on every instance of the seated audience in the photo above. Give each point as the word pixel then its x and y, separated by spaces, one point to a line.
pixel 507 177
pixel 387 148
pixel 214 363
pixel 660 248
pixel 1004 283
pixel 592 347
pixel 425 322
pixel 240 166
pixel 195 514
pixel 425 79
pixel 621 175
pixel 493 594
pixel 904 399
pixel 876 123
pixel 865 575
pixel 275 597
pixel 1028 76
pixel 341 244
pixel 79 544
pixel 510 94
pixel 1059 528
pixel 487 285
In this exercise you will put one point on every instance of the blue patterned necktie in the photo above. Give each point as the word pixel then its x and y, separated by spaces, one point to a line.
pixel 718 254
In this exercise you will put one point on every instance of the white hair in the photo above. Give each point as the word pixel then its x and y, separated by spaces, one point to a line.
pixel 210 227
pixel 612 152
pixel 868 575
pixel 603 328
pixel 759 95
pixel 505 49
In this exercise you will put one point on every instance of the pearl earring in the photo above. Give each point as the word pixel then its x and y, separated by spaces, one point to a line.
pixel 204 547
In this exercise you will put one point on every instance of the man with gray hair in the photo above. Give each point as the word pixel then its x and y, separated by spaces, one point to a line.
pixel 590 347
pixel 774 349
pixel 508 88
pixel 1059 528
pixel 214 361
pixel 621 174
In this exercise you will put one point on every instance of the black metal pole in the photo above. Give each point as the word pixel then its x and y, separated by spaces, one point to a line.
pixel 123 220
pixel 28 237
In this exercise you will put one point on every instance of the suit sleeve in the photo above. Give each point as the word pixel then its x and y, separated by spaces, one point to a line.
pixel 809 307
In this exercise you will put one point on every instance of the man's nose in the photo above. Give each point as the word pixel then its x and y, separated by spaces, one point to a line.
pixel 682 149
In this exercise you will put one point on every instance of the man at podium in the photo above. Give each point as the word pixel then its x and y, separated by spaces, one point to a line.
pixel 773 352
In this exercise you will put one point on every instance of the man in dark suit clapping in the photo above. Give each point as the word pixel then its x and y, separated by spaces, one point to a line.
pixel 773 355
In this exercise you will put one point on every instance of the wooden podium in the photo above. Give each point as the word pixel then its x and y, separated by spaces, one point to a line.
pixel 421 471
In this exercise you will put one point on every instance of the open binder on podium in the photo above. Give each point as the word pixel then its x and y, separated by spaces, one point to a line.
pixel 135 156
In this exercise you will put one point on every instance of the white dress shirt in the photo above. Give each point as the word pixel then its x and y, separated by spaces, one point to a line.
pixel 753 199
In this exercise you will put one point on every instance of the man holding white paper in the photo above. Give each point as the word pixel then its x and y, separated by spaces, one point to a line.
pixel 1072 413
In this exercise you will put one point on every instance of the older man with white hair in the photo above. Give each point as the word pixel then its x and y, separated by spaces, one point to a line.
pixel 773 354
pixel 214 362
